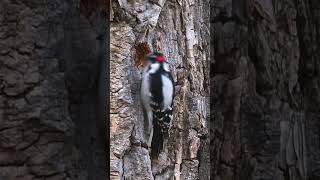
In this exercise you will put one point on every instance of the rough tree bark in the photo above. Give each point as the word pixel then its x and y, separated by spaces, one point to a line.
pixel 265 89
pixel 180 29
pixel 51 122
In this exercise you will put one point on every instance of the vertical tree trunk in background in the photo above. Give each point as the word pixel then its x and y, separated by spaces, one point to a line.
pixel 51 123
pixel 180 29
pixel 265 89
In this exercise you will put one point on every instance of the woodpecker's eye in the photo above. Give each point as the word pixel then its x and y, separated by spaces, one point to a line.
pixel 152 58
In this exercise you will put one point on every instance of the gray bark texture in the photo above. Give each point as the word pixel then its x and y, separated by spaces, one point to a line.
pixel 265 90
pixel 52 125
pixel 179 29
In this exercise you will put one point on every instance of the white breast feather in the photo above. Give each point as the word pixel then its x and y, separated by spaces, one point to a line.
pixel 145 91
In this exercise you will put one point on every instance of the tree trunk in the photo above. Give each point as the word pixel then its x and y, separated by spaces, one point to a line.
pixel 179 29
pixel 52 122
pixel 265 89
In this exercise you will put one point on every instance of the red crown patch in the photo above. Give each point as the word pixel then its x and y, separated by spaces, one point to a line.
pixel 160 58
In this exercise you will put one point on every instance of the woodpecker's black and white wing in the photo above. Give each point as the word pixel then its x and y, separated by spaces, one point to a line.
pixel 162 90
pixel 162 115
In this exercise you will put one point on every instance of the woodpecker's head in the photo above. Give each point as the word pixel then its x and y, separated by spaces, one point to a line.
pixel 157 57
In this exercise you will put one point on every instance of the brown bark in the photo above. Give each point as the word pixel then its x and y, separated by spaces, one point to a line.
pixel 180 30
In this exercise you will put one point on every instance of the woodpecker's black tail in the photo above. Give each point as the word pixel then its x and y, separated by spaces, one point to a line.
pixel 157 141
pixel 161 126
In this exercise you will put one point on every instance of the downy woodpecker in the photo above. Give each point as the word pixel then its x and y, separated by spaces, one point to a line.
pixel 157 94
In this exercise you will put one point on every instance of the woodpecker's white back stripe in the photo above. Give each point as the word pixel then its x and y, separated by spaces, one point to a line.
pixel 166 67
pixel 154 68
pixel 167 91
